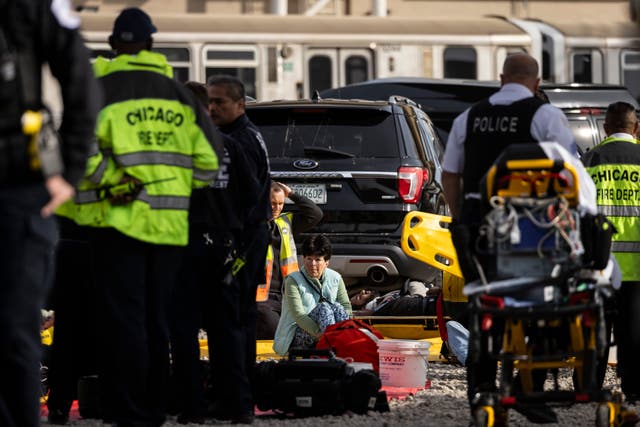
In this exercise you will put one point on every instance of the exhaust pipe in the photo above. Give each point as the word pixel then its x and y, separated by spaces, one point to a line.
pixel 377 274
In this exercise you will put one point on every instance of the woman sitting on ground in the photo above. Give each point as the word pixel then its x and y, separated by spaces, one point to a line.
pixel 314 298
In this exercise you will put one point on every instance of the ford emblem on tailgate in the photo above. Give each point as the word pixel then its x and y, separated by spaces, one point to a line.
pixel 305 164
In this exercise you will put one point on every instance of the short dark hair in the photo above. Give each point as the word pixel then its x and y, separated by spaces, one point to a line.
pixel 317 244
pixel 235 87
pixel 621 116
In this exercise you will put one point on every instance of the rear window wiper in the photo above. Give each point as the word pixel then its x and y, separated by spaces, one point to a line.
pixel 329 152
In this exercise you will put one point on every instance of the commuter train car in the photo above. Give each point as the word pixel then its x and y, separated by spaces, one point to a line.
pixel 587 52
pixel 291 56
pixel 288 57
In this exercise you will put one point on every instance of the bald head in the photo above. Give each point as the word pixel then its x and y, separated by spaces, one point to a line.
pixel 521 68
pixel 621 118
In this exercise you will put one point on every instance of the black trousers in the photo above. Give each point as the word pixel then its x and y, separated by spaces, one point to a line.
pixel 26 254
pixel 627 336
pixel 268 316
pixel 134 281
pixel 186 318
pixel 73 352
pixel 231 327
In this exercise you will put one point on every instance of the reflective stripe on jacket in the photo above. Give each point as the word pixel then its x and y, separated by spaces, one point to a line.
pixel 288 255
pixel 614 166
pixel 152 129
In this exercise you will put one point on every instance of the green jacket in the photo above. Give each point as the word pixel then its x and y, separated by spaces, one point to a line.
pixel 614 166
pixel 300 298
pixel 150 128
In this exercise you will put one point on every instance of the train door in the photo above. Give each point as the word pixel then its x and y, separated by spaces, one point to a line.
pixel 630 71
pixel 329 68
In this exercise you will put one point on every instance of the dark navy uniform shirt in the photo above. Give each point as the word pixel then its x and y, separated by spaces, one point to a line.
pixel 240 196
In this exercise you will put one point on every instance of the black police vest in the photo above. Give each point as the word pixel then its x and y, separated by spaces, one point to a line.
pixel 490 129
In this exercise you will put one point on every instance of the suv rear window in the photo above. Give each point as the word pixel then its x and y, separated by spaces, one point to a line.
pixel 323 132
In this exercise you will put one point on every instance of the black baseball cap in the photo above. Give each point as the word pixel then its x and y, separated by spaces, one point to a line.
pixel 133 25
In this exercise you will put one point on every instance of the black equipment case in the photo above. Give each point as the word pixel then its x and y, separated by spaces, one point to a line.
pixel 315 382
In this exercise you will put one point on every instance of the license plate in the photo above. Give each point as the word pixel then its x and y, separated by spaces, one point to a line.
pixel 317 193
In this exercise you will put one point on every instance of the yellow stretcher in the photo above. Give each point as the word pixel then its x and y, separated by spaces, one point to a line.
pixel 264 349
pixel 426 238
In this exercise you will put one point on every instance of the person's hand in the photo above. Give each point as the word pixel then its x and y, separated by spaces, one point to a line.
pixel 126 191
pixel 60 191
pixel 48 320
pixel 287 190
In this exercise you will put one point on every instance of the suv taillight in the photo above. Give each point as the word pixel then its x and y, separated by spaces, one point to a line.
pixel 410 180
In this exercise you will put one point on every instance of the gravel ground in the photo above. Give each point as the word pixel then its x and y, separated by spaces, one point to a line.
pixel 444 404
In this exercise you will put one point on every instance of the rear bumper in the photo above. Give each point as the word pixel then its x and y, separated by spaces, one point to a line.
pixel 378 262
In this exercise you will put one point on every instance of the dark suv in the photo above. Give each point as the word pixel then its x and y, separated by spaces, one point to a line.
pixel 366 164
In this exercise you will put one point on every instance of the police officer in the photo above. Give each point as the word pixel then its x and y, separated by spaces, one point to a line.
pixel 478 136
pixel 37 173
pixel 511 115
pixel 154 144
pixel 282 258
pixel 231 326
pixel 614 165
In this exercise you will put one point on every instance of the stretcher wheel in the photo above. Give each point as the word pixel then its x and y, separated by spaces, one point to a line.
pixel 484 416
pixel 605 415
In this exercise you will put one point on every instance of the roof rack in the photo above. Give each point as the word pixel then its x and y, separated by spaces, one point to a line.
pixel 395 99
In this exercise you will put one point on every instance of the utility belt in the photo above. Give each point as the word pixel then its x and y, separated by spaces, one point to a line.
pixel 29 153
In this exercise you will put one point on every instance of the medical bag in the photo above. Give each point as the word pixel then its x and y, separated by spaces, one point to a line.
pixel 315 382
pixel 352 339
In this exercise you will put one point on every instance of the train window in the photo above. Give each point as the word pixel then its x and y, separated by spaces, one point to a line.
pixel 547 58
pixel 356 68
pixel 631 71
pixel 587 66
pixel 226 55
pixel 180 59
pixel 460 62
pixel 234 60
pixel 320 73
pixel 174 54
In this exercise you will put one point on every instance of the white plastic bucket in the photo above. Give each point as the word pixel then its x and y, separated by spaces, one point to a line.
pixel 403 363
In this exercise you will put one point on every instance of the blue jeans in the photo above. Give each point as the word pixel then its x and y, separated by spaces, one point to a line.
pixel 324 314
pixel 458 340
pixel 26 255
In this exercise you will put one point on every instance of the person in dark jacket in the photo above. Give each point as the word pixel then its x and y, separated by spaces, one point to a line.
pixel 282 257
pixel 38 172
pixel 244 235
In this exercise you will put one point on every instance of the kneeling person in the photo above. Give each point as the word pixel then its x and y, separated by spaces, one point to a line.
pixel 314 298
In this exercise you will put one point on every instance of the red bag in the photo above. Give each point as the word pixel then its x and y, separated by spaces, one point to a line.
pixel 352 339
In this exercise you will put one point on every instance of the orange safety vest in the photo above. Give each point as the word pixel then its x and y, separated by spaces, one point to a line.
pixel 288 256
